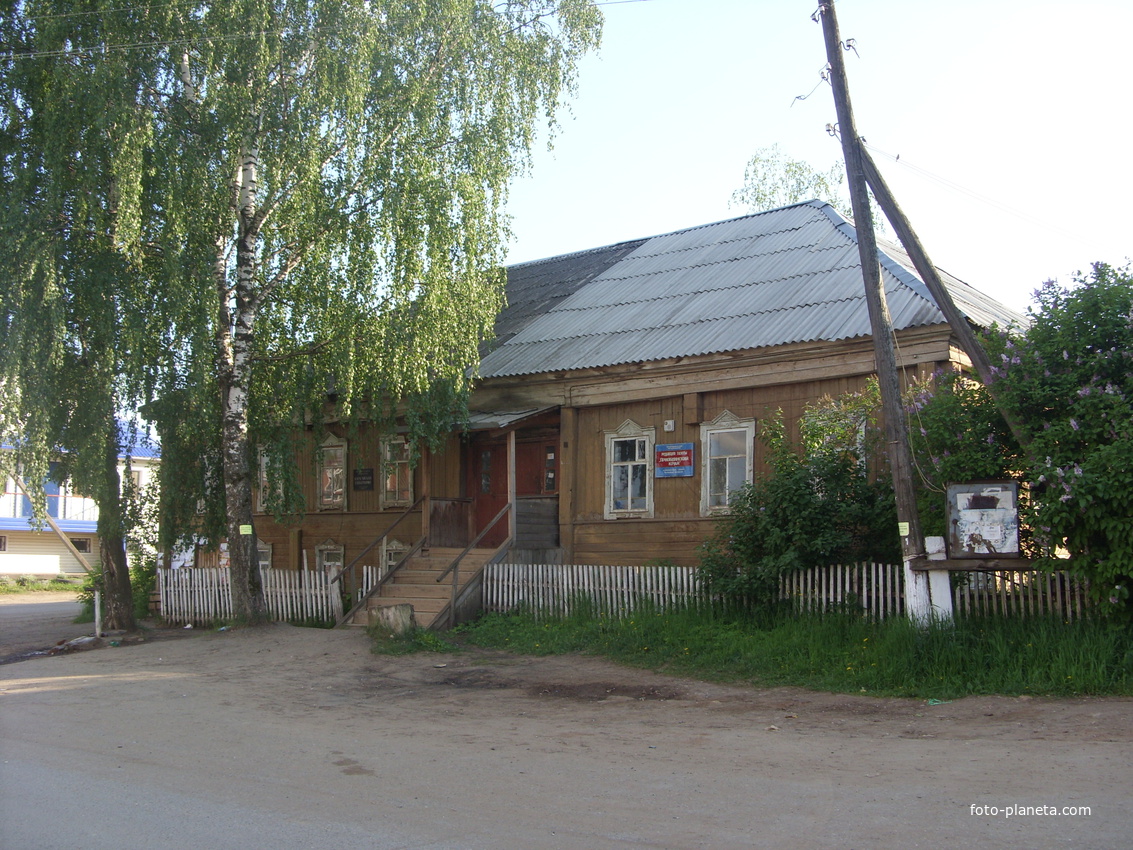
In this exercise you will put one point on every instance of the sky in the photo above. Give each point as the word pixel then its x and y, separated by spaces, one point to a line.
pixel 1012 123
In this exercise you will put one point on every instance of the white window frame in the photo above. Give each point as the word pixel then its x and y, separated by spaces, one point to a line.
pixel 327 497
pixel 263 554
pixel 261 484
pixel 630 430
pixel 82 544
pixel 726 421
pixel 329 547
pixel 394 467
pixel 3 543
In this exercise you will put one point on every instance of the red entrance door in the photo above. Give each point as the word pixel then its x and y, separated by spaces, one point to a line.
pixel 488 486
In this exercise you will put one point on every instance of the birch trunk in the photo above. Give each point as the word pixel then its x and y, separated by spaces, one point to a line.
pixel 234 353
pixel 112 543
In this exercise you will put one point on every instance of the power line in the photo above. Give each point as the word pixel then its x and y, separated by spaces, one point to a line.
pixel 971 193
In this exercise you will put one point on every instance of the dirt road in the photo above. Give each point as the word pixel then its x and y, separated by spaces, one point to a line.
pixel 34 621
pixel 284 737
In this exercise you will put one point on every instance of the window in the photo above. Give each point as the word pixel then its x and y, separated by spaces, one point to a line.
pixel 392 552
pixel 3 543
pixel 263 554
pixel 332 475
pixel 397 476
pixel 550 467
pixel 329 557
pixel 728 451
pixel 629 471
pixel 261 489
pixel 82 544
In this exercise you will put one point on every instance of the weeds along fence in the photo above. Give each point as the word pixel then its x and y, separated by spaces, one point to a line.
pixel 203 595
pixel 878 590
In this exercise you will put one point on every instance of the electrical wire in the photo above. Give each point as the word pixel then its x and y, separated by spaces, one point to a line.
pixel 984 199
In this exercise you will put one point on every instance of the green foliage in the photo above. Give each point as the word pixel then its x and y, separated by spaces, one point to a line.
pixel 143 581
pixel 1068 379
pixel 957 434
pixel 261 214
pixel 32 584
pixel 819 508
pixel 772 179
pixel 840 652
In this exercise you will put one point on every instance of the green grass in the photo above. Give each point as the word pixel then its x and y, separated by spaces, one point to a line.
pixel 840 652
pixel 414 640
pixel 29 584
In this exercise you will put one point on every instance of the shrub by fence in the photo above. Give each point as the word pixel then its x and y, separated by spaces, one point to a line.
pixel 202 595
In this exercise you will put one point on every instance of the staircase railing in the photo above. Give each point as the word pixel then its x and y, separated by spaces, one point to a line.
pixel 380 583
pixel 448 616
pixel 338 576
pixel 350 567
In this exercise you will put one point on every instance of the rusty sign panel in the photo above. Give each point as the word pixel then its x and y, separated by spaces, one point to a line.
pixel 983 519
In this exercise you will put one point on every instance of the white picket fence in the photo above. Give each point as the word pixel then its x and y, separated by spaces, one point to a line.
pixel 1021 593
pixel 876 589
pixel 203 595
pixel 612 590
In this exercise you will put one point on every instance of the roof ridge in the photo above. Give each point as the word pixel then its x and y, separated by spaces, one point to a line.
pixel 772 311
pixel 563 309
pixel 817 204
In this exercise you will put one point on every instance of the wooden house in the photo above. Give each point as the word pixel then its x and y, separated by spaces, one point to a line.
pixel 619 405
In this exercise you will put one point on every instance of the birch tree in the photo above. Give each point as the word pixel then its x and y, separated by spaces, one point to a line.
pixel 772 179
pixel 317 199
pixel 69 132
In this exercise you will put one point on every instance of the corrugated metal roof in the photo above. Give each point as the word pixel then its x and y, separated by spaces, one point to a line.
pixel 488 420
pixel 777 277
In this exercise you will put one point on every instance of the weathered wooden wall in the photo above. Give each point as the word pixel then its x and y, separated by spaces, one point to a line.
pixel 363 519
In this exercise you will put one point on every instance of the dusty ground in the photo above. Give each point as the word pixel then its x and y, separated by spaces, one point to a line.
pixel 32 622
pixel 290 737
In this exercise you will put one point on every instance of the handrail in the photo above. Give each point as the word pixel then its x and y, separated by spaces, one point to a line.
pixel 378 540
pixel 413 550
pixel 454 567
pixel 448 613
pixel 456 561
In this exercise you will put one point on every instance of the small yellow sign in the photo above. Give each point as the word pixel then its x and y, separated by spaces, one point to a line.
pixel 903 529
pixel 245 529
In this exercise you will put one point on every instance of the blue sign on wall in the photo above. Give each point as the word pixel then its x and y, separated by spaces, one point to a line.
pixel 673 460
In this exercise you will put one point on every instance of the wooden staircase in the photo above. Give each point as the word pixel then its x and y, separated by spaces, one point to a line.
pixel 416 584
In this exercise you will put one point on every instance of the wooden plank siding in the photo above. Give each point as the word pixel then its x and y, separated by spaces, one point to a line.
pixel 687 391
pixel 363 519
pixel 640 541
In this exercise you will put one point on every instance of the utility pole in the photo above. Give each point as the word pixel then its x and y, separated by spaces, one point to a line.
pixel 918 599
